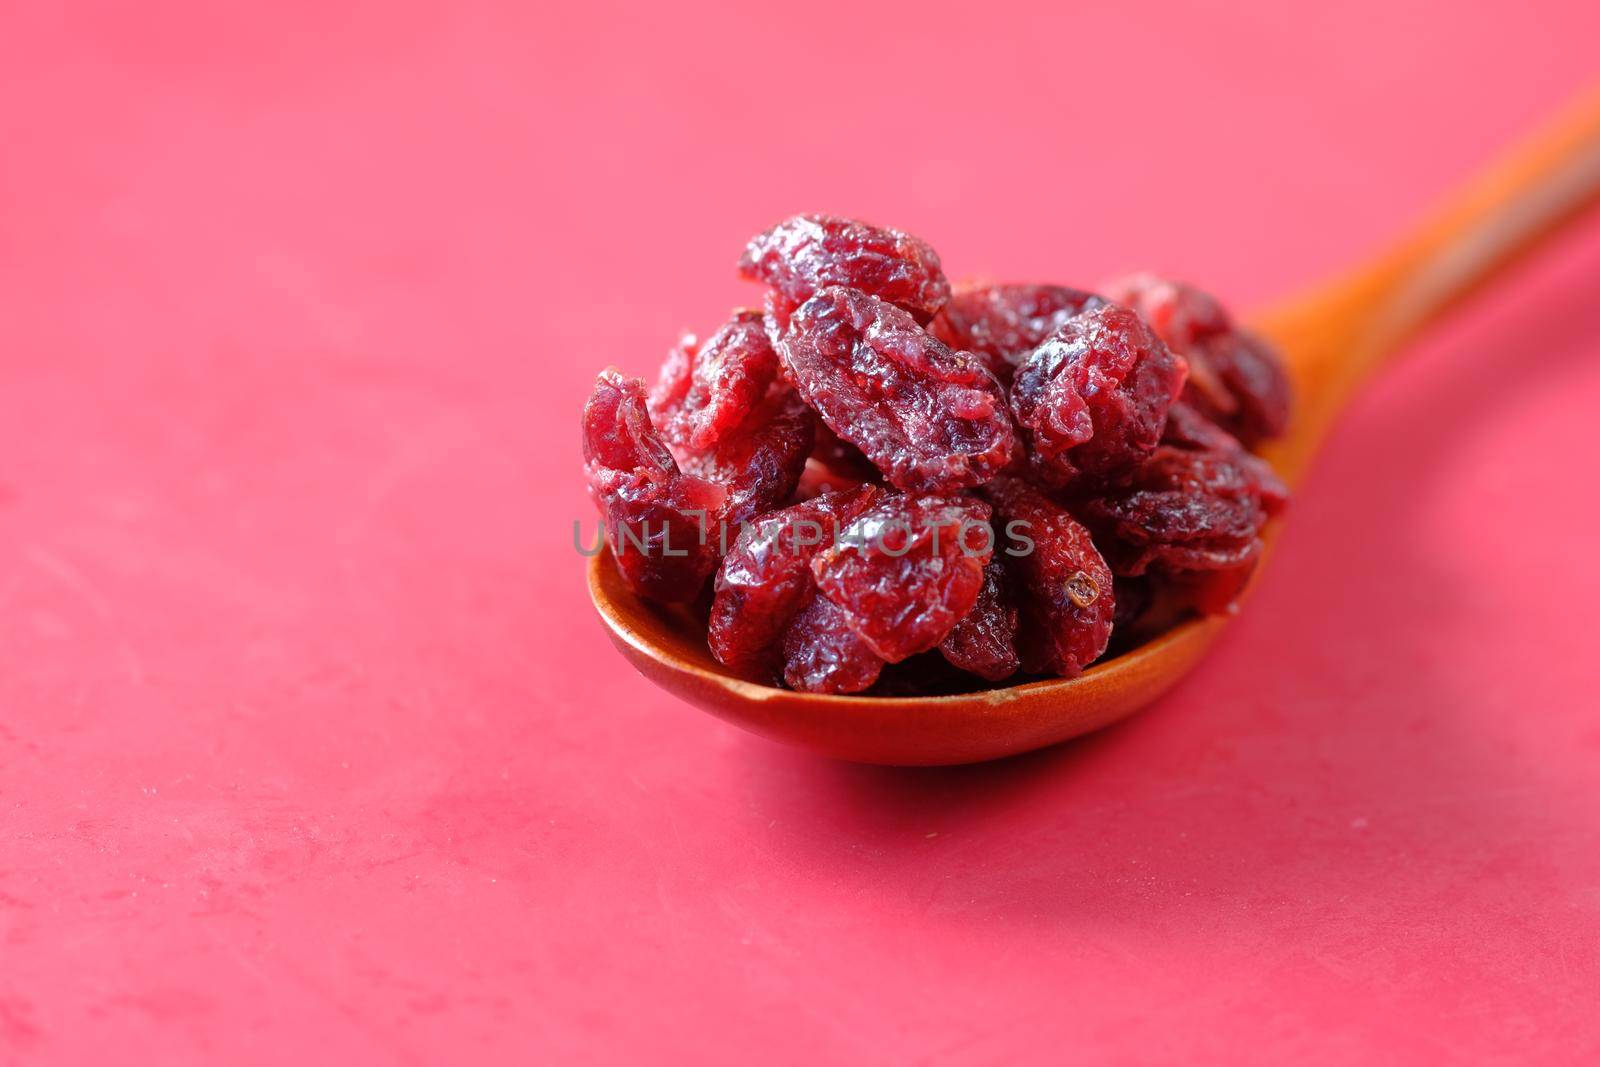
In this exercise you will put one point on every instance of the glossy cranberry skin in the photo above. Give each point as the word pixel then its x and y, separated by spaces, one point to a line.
pixel 835 451
pixel 1092 399
pixel 932 420
pixel 804 254
pixel 984 642
pixel 1198 503
pixel 1062 584
pixel 1236 378
pixel 822 653
pixel 708 389
pixel 656 517
pixel 758 462
pixel 1003 324
pixel 766 577
pixel 907 570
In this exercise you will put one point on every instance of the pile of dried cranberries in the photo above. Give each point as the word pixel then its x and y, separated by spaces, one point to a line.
pixel 976 484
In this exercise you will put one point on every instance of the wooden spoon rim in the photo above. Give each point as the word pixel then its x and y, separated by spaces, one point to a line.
pixel 602 579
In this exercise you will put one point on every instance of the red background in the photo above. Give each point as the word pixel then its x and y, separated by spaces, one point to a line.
pixel 311 748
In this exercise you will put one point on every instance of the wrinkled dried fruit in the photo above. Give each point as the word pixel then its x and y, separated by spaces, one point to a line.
pixel 822 654
pixel 655 516
pixel 1063 586
pixel 1187 428
pixel 706 390
pixel 1183 511
pixel 766 577
pixel 759 461
pixel 672 383
pixel 1093 397
pixel 1192 431
pixel 973 486
pixel 1004 323
pixel 985 641
pixel 907 570
pixel 1235 377
pixel 804 254
pixel 1198 503
pixel 932 420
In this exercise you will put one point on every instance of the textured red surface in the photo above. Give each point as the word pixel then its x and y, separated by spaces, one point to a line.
pixel 311 749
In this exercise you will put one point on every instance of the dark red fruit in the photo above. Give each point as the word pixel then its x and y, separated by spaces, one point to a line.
pixel 1004 323
pixel 673 381
pixel 1183 511
pixel 766 577
pixel 985 641
pixel 656 517
pixel 1192 431
pixel 932 420
pixel 706 390
pixel 1062 584
pixel 1187 428
pixel 1093 397
pixel 807 253
pixel 1235 377
pixel 907 569
pixel 822 654
pixel 1067 412
pixel 1198 503
pixel 776 309
pixel 759 461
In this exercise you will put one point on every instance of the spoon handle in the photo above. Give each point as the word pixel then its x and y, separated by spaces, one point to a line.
pixel 1336 336
pixel 1508 209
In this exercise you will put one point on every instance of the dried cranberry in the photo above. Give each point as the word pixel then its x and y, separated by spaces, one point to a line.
pixel 1004 323
pixel 1235 377
pixel 759 461
pixel 1188 428
pixel 673 381
pixel 776 309
pixel 1198 503
pixel 656 517
pixel 863 362
pixel 1063 586
pixel 706 390
pixel 1251 370
pixel 930 419
pixel 907 570
pixel 985 641
pixel 804 254
pixel 1093 397
pixel 1192 431
pixel 766 577
pixel 822 654
pixel 1183 511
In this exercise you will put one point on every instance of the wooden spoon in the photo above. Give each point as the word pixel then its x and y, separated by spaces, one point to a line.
pixel 1332 338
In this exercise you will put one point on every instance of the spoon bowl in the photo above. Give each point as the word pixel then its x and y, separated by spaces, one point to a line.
pixel 668 646
pixel 1331 338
